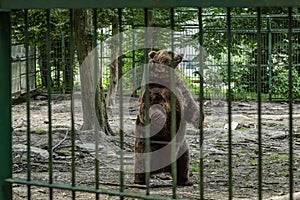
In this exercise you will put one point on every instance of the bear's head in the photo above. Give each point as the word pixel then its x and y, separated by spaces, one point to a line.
pixel 165 57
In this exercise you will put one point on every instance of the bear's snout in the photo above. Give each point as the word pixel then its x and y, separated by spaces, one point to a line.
pixel 178 58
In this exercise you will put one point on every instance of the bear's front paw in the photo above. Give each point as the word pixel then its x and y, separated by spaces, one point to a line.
pixel 196 121
pixel 157 114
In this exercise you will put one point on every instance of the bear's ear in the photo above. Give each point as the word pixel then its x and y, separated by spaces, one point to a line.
pixel 152 54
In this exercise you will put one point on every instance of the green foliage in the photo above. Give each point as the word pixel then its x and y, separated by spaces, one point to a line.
pixel 243 43
pixel 37 26
pixel 281 83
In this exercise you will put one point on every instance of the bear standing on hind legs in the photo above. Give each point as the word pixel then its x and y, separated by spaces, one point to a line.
pixel 160 66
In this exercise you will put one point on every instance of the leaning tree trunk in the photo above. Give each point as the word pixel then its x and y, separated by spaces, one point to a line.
pixel 93 101
pixel 101 111
pixel 112 89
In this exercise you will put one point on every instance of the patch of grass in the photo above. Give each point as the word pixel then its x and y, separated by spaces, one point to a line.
pixel 243 151
pixel 39 132
pixel 64 153
pixel 283 158
pixel 243 128
pixel 254 162
pixel 281 126
pixel 221 145
pixel 129 169
pixel 273 157
pixel 194 168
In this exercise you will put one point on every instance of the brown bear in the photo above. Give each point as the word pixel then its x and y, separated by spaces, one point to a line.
pixel 159 112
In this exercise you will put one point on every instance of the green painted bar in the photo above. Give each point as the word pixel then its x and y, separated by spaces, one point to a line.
pixel 121 115
pixel 173 109
pixel 147 105
pixel 96 72
pixel 86 189
pixel 291 134
pixel 270 64
pixel 201 101
pixel 26 41
pixel 259 108
pixel 73 134
pixel 49 100
pixel 229 101
pixel 21 4
pixel 5 107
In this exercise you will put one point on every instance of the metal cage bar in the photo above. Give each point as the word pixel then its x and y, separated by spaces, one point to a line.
pixel 173 109
pixel 73 134
pixel 147 106
pixel 291 135
pixel 49 94
pixel 259 125
pixel 5 106
pixel 20 4
pixel 26 41
pixel 201 99
pixel 122 181
pixel 96 86
pixel 229 99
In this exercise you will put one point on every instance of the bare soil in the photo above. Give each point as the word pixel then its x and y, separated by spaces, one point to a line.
pixel 275 151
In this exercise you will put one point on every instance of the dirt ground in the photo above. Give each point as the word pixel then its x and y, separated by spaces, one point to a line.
pixel 275 148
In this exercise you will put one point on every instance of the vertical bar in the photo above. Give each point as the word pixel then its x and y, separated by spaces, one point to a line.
pixel 201 98
pixel 97 88
pixel 147 104
pixel 290 50
pixel 5 106
pixel 48 50
pixel 27 103
pixel 259 82
pixel 229 104
pixel 121 104
pixel 173 110
pixel 73 136
pixel 57 65
pixel 270 65
pixel 63 62
pixel 134 77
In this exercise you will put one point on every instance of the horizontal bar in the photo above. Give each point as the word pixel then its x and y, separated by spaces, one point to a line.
pixel 46 4
pixel 250 31
pixel 84 189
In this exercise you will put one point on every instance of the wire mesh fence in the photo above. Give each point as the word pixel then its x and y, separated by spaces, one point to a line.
pixel 166 78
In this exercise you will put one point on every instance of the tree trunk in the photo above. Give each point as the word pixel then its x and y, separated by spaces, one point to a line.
pixel 151 33
pixel 93 101
pixel 83 29
pixel 112 90
pixel 43 66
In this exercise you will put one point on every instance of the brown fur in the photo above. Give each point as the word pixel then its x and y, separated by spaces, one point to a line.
pixel 160 120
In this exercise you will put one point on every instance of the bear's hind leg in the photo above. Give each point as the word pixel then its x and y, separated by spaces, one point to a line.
pixel 183 178
pixel 139 178
pixel 139 163
pixel 139 174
